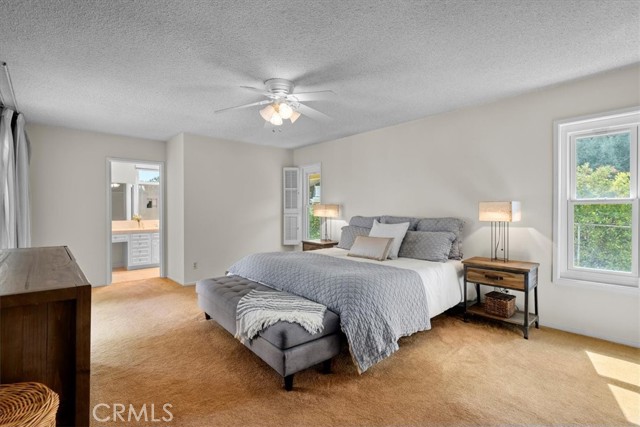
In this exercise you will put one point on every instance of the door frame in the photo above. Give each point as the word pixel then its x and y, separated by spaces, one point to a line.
pixel 161 210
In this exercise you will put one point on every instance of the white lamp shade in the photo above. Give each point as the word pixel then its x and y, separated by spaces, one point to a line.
pixel 267 112
pixel 294 116
pixel 500 211
pixel 285 111
pixel 326 211
pixel 276 120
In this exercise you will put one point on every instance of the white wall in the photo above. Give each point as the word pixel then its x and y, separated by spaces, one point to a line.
pixel 69 189
pixel 175 209
pixel 444 165
pixel 232 202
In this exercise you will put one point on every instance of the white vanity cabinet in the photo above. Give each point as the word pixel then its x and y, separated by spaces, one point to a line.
pixel 142 249
pixel 139 249
pixel 155 248
pixel 119 238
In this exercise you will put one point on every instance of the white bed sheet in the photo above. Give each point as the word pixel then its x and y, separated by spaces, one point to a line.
pixel 443 281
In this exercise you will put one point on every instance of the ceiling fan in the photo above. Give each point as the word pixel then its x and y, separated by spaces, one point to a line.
pixel 282 103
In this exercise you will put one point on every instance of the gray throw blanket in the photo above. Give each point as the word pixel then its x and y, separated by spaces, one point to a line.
pixel 377 304
pixel 258 310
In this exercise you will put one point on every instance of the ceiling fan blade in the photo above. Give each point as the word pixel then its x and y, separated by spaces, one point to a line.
pixel 256 90
pixel 313 96
pixel 264 102
pixel 314 114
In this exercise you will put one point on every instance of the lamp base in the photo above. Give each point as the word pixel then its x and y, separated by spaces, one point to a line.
pixel 326 235
pixel 499 241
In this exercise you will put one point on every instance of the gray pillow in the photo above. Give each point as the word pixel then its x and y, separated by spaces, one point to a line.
pixel 388 219
pixel 371 247
pixel 349 234
pixel 363 221
pixel 427 245
pixel 395 231
pixel 453 225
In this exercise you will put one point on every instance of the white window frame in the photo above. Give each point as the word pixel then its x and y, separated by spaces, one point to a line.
pixel 565 134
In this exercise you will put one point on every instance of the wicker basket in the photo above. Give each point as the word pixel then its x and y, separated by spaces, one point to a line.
pixel 27 405
pixel 499 304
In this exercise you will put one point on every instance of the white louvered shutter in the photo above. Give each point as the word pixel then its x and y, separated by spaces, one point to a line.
pixel 292 213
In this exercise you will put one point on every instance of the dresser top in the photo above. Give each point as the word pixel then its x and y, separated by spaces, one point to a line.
pixel 38 269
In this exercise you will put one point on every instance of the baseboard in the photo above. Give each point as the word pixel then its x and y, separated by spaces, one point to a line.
pixel 587 333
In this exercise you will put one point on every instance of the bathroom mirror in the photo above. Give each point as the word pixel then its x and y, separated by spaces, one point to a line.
pixel 119 201
pixel 135 189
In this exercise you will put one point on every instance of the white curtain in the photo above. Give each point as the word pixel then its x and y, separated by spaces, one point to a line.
pixel 15 224
pixel 23 211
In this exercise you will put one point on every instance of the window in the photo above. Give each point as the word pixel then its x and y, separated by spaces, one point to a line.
pixel 596 212
pixel 146 192
pixel 312 186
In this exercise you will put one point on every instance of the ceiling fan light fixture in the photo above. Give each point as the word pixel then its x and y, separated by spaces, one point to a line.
pixel 285 111
pixel 276 120
pixel 282 104
pixel 294 116
pixel 267 112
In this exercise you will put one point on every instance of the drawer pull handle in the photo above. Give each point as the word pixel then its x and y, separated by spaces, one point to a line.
pixel 492 277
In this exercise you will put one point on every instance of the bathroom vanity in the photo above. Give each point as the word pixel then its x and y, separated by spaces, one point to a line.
pixel 140 243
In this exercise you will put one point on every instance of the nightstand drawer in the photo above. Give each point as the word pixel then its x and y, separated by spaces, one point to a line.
pixel 502 279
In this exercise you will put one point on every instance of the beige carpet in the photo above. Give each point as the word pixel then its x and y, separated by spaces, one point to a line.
pixel 119 275
pixel 151 345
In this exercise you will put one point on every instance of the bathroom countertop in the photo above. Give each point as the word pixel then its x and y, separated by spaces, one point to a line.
pixel 127 227
pixel 134 230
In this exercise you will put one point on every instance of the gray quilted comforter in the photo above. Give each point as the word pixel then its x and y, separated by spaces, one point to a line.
pixel 377 304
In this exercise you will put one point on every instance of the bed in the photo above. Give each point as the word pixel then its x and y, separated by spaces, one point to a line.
pixel 378 301
pixel 443 281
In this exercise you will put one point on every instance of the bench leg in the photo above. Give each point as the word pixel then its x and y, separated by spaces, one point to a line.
pixel 326 366
pixel 288 382
pixel 206 316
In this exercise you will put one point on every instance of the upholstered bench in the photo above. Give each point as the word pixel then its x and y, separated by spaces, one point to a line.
pixel 286 347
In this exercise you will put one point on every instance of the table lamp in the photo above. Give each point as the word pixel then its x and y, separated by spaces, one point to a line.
pixel 324 212
pixel 500 214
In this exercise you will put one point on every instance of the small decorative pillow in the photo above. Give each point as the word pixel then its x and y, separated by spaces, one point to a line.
pixel 371 247
pixel 427 245
pixel 397 231
pixel 349 234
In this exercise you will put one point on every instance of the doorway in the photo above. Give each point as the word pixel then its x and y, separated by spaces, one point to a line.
pixel 135 220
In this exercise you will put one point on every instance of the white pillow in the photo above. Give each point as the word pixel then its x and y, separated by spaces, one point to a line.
pixel 397 231
pixel 371 247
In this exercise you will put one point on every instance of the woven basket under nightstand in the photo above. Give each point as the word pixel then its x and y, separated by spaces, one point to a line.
pixel 27 404
pixel 500 304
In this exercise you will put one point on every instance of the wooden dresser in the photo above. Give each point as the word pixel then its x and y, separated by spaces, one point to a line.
pixel 45 326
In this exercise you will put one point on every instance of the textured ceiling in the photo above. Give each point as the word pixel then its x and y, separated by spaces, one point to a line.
pixel 157 68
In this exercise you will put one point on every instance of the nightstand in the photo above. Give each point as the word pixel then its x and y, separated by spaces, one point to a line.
pixel 514 275
pixel 312 245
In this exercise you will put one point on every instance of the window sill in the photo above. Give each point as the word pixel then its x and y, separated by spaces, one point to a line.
pixel 598 286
